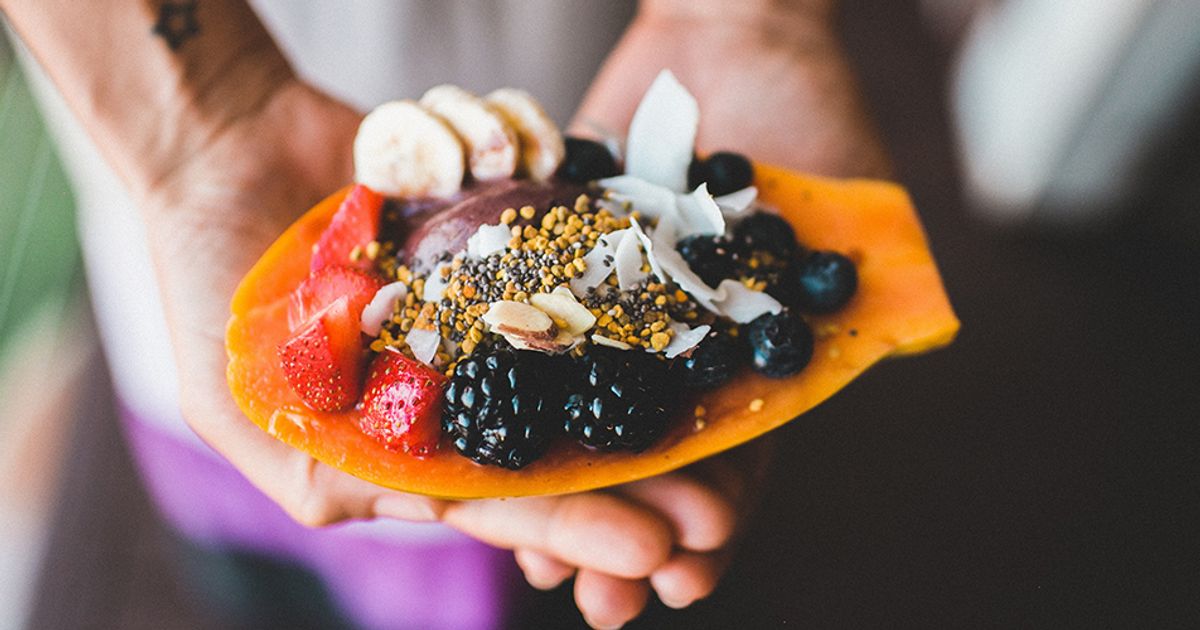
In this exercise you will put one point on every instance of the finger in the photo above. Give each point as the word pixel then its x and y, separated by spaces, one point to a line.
pixel 310 492
pixel 591 530
pixel 688 577
pixel 542 571
pixel 607 601
pixel 703 519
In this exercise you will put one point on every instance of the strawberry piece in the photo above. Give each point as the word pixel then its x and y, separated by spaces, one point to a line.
pixel 323 360
pixel 321 288
pixel 402 404
pixel 355 224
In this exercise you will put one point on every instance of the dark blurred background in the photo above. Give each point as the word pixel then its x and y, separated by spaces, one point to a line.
pixel 1041 472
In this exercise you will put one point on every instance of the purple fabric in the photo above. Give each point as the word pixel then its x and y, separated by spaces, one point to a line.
pixel 381 580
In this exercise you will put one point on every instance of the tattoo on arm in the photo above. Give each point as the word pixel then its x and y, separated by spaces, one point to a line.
pixel 177 22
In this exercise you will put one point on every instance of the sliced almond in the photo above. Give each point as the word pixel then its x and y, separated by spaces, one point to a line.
pixel 521 320
pixel 561 343
pixel 567 312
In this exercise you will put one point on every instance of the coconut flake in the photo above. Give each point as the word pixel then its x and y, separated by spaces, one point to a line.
pixel 650 199
pixel 743 304
pixel 435 284
pixel 648 247
pixel 598 263
pixel 628 263
pixel 381 307
pixel 684 339
pixel 488 240
pixel 699 213
pixel 424 344
pixel 677 268
pixel 662 134
pixel 738 202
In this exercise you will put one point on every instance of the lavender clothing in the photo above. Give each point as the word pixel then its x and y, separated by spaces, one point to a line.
pixel 381 577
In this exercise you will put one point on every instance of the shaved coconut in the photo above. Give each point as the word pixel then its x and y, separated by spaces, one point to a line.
pixel 652 200
pixel 601 340
pixel 488 240
pixel 381 307
pixel 662 134
pixel 700 214
pixel 598 263
pixel 628 263
pixel 677 268
pixel 435 284
pixel 743 304
pixel 424 344
pixel 648 247
pixel 738 202
pixel 685 338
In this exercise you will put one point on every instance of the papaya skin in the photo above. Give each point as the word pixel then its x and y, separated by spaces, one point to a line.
pixel 901 308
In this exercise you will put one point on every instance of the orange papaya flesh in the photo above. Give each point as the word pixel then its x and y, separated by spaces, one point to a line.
pixel 901 308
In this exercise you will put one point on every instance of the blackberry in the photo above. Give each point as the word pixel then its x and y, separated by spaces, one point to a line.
pixel 711 363
pixel 713 258
pixel 504 406
pixel 826 282
pixel 724 171
pixel 617 400
pixel 780 345
pixel 767 232
pixel 586 160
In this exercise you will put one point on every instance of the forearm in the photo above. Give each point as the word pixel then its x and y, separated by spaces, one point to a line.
pixel 149 99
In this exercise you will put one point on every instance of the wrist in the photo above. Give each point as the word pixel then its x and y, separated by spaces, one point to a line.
pixel 775 17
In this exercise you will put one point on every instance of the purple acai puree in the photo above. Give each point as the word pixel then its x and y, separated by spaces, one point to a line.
pixel 434 229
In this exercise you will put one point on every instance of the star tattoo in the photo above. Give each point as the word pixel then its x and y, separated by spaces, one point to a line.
pixel 177 22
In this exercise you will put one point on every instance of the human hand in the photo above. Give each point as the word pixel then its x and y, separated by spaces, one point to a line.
pixel 771 83
pixel 209 219
pixel 770 78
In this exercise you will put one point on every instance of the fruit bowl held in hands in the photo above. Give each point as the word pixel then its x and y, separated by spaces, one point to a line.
pixel 806 319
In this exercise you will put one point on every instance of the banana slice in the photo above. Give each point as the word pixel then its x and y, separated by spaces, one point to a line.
pixel 404 151
pixel 491 144
pixel 541 142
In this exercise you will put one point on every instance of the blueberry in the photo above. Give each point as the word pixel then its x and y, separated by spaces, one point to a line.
pixel 724 171
pixel 586 160
pixel 767 232
pixel 827 282
pixel 713 258
pixel 712 362
pixel 780 345
pixel 781 281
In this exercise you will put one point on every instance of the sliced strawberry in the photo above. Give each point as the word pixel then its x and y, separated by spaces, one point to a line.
pixel 323 360
pixel 355 224
pixel 321 288
pixel 402 404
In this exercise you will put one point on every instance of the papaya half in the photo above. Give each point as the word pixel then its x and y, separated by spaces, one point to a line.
pixel 901 308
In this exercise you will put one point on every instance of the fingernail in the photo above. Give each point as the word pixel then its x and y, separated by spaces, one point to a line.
pixel 598 626
pixel 543 585
pixel 675 603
